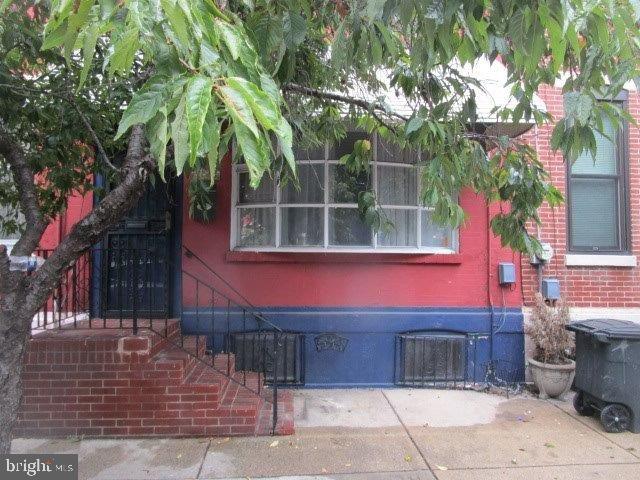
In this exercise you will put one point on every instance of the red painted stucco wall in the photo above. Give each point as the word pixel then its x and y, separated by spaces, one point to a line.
pixel 77 207
pixel 352 280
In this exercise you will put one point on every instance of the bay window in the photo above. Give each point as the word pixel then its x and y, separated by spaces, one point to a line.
pixel 322 215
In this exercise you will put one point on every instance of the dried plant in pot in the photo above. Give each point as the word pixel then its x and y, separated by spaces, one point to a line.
pixel 551 369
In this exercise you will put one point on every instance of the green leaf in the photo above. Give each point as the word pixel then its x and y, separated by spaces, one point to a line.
pixel 269 86
pixel 578 106
pixel 198 96
pixel 144 104
pixel 230 37
pixel 413 125
pixel 211 142
pixel 88 48
pixel 238 108
pixel 558 43
pixel 208 55
pixel 180 136
pixel 178 24
pixel 255 153
pixel 124 50
pixel 295 29
pixel 4 5
pixel 285 136
pixel 374 9
pixel 262 105
pixel 157 133
pixel 76 21
pixel 54 37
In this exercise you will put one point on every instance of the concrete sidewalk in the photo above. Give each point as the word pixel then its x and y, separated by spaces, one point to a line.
pixel 382 434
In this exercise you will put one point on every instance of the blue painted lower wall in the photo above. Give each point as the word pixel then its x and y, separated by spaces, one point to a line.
pixel 368 359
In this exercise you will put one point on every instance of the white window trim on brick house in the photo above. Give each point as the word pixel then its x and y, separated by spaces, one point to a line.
pixel 612 255
pixel 595 260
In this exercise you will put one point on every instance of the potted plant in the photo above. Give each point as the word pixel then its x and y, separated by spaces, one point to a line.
pixel 551 369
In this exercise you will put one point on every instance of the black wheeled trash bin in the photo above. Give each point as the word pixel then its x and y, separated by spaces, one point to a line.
pixel 608 372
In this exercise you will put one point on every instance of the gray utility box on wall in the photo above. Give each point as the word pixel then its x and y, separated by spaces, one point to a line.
pixel 506 273
pixel 551 288
pixel 608 372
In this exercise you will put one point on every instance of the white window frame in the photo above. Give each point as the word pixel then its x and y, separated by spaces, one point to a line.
pixel 238 168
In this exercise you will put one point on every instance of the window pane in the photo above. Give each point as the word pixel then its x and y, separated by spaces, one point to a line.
pixel 347 229
pixel 392 153
pixel 345 187
pixel 403 233
pixel 435 235
pixel 605 160
pixel 345 146
pixel 262 194
pixel 594 217
pixel 302 227
pixel 397 185
pixel 256 227
pixel 311 185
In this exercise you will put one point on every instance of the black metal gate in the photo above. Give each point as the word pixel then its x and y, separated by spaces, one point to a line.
pixel 432 359
pixel 136 267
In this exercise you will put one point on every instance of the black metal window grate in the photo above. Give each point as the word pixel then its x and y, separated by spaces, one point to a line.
pixel 254 352
pixel 432 359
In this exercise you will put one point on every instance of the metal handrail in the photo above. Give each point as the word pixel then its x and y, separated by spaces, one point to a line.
pixel 70 306
pixel 191 254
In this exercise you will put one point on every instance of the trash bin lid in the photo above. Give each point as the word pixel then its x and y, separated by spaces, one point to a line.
pixel 609 327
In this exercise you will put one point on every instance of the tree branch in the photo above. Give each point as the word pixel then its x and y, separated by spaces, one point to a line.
pixel 92 132
pixel 372 107
pixel 93 226
pixel 375 109
pixel 26 92
pixel 23 176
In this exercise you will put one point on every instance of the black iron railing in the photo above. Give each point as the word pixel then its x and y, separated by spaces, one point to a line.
pixel 70 301
pixel 131 288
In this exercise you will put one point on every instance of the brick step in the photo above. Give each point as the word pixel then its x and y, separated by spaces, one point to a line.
pixel 284 425
pixel 110 394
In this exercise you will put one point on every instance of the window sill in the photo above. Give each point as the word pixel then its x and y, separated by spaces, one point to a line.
pixel 339 257
pixel 596 260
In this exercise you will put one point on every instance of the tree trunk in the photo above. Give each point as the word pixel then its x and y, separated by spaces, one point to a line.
pixel 14 333
pixel 21 296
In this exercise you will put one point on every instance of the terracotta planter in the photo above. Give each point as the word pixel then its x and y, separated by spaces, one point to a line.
pixel 552 380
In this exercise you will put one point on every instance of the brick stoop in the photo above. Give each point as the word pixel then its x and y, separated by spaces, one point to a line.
pixel 110 383
pixel 285 424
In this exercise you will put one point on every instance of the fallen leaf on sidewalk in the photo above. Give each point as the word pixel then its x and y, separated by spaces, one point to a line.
pixel 440 467
pixel 275 443
pixel 549 445
pixel 407 458
pixel 179 455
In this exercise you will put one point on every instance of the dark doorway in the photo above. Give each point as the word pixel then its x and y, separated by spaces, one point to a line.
pixel 136 256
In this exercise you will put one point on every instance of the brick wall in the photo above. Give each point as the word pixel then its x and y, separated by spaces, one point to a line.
pixel 112 386
pixel 584 286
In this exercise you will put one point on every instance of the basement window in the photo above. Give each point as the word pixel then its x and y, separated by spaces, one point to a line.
pixel 322 216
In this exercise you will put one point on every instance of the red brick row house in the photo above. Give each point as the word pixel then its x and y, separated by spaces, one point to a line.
pixel 292 285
